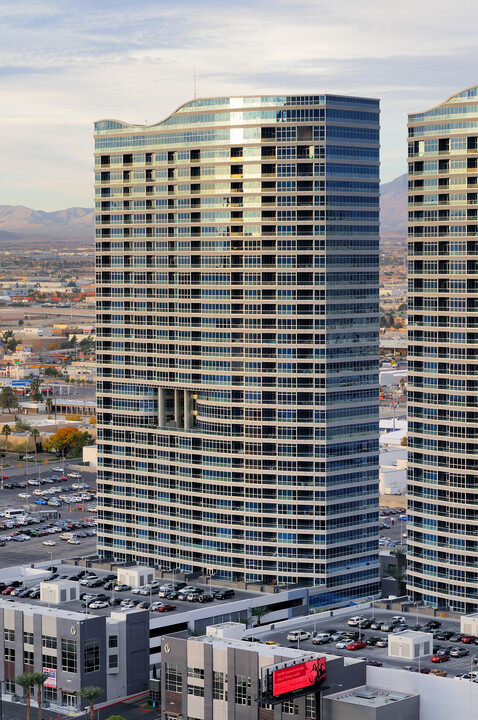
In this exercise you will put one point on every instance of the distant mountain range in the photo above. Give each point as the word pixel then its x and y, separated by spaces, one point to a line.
pixel 73 225
pixel 393 205
pixel 18 223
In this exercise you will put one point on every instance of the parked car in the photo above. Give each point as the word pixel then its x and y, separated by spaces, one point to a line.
pixel 98 604
pixel 204 598
pixel 438 671
pixel 353 621
pixel 440 657
pixel 342 644
pixel 444 634
pixel 356 645
pixel 122 587
pixel 49 543
pixel 383 642
pixel 372 640
pixel 321 638
pixel 459 652
pixel 166 607
pixel 468 639
pixel 433 624
pixel 296 635
pixel 224 594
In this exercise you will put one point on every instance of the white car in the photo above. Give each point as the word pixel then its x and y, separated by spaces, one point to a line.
pixel 342 644
pixel 74 475
pixel 137 590
pixel 73 541
pixel 58 469
pixel 24 495
pixel 397 619
pixel 98 604
pixel 50 543
pixel 354 621
pixel 28 457
pixel 295 635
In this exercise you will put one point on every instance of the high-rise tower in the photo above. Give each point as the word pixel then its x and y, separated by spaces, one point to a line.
pixel 237 324
pixel 443 353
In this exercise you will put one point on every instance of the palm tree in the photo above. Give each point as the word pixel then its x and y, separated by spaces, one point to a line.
pixel 48 403
pixel 25 681
pixel 38 679
pixel 6 430
pixel 91 693
pixel 34 433
pixel 259 612
pixel 401 556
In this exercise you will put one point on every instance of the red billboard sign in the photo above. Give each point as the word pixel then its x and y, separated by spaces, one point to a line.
pixel 298 677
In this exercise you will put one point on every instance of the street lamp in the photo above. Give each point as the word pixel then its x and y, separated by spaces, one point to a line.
pixel 372 602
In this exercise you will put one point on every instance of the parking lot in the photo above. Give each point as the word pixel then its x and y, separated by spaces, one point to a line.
pixel 114 597
pixel 16 552
pixel 452 667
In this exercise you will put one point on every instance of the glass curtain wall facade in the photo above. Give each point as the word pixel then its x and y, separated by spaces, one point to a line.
pixel 443 354
pixel 237 325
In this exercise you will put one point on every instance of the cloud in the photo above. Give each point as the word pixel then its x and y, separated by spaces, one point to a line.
pixel 64 64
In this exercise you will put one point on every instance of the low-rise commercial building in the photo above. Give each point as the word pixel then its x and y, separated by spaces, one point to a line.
pixel 76 650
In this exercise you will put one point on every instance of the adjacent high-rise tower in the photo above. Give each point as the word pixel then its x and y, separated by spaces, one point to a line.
pixel 237 324
pixel 443 353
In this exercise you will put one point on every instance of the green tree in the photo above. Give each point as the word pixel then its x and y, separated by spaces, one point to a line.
pixel 68 441
pixel 8 399
pixel 6 430
pixel 87 344
pixel 52 372
pixel 38 679
pixel 22 426
pixel 91 693
pixel 259 612
pixel 25 680
pixel 48 403
pixel 35 393
pixel 8 341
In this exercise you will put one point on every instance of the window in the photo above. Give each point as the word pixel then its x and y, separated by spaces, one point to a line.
pixel 112 662
pixel 50 694
pixel 48 641
pixel 28 638
pixel 241 696
pixel 9 686
pixel 92 655
pixel 113 641
pixel 10 654
pixel 196 673
pixel 197 690
pixel 49 661
pixel 290 708
pixel 68 656
pixel 173 678
pixel 310 707
pixel 9 635
pixel 28 657
pixel 218 692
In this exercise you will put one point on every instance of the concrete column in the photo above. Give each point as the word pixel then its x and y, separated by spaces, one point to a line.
pixel 187 410
pixel 178 408
pixel 162 409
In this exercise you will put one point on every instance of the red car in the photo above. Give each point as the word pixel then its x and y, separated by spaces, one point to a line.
pixel 8 590
pixel 356 645
pixel 439 658
pixel 5 477
pixel 468 639
pixel 166 608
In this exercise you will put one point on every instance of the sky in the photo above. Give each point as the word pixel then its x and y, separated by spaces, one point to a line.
pixel 66 63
